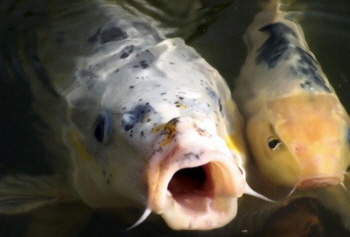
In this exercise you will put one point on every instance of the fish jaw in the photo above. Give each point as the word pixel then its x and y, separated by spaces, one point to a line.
pixel 194 181
pixel 319 182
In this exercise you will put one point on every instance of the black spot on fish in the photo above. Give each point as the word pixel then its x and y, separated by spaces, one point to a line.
pixel 275 47
pixel 137 115
pixel 279 48
pixel 220 105
pixel 214 96
pixel 200 131
pixel 306 85
pixel 191 155
pixel 348 135
pixel 145 59
pixel 307 67
pixel 127 51
pixel 144 64
pixel 113 33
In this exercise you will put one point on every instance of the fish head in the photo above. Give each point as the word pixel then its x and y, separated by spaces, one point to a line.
pixel 189 175
pixel 303 142
pixel 194 180
pixel 180 156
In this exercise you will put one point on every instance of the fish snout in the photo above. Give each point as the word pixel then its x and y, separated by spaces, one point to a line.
pixel 194 182
pixel 320 182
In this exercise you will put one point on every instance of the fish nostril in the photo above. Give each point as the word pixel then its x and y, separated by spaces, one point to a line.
pixel 189 181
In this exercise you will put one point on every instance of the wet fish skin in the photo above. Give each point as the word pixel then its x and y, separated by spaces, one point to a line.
pixel 297 128
pixel 125 109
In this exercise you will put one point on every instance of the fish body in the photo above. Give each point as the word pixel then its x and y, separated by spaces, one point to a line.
pixel 145 121
pixel 297 129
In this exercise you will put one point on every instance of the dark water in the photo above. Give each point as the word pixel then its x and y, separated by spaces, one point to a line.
pixel 215 29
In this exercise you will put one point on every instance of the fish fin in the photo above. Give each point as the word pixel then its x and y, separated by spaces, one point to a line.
pixel 57 220
pixel 22 193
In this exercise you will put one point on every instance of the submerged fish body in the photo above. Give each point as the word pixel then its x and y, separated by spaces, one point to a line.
pixel 297 129
pixel 145 120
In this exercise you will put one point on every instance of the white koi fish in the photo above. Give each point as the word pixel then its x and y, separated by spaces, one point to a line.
pixel 144 119
pixel 297 129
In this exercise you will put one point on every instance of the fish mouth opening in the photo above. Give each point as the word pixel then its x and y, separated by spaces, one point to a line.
pixel 195 194
pixel 193 188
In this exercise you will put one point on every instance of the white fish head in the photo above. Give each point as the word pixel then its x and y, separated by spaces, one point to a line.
pixel 303 141
pixel 166 135
pixel 194 181
pixel 193 177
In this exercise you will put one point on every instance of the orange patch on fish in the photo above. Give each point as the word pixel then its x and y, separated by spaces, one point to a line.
pixel 74 137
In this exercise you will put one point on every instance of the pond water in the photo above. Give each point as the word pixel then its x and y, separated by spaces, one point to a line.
pixel 213 28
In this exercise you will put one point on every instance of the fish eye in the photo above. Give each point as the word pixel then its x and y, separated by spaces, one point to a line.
pixel 103 127
pixel 273 143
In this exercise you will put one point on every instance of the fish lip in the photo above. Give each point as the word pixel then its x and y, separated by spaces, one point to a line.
pixel 218 204
pixel 319 181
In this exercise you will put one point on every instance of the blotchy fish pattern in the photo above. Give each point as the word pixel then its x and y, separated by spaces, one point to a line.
pixel 143 121
pixel 278 49
pixel 297 128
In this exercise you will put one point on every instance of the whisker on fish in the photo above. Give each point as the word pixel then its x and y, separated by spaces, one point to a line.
pixel 248 190
pixel 293 190
pixel 344 187
pixel 144 216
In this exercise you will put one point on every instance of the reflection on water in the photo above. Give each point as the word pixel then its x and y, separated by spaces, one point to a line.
pixel 215 29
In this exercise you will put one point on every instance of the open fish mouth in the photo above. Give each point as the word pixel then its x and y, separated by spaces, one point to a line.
pixel 193 187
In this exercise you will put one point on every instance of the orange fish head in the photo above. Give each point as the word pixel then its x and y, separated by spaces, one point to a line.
pixel 302 141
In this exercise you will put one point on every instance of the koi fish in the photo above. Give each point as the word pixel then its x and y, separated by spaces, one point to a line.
pixel 297 129
pixel 139 120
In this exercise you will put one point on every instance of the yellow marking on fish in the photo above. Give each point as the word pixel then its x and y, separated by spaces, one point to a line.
pixel 231 107
pixel 167 129
pixel 74 137
pixel 181 106
pixel 234 142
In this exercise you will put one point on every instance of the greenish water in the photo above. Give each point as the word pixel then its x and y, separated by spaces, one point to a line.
pixel 215 29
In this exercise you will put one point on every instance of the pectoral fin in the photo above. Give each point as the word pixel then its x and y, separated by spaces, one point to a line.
pixel 20 194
